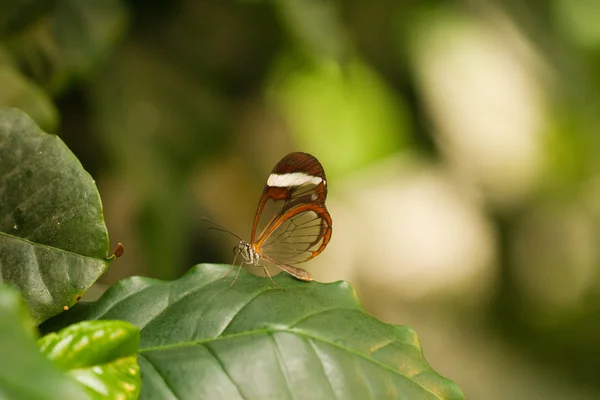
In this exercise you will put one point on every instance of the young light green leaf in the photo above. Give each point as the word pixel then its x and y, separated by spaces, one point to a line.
pixel 308 341
pixel 101 355
pixel 53 241
pixel 24 372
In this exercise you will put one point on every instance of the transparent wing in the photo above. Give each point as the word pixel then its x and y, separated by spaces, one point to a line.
pixel 296 236
pixel 297 179
pixel 274 205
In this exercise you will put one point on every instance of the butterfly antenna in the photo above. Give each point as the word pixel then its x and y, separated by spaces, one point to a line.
pixel 220 228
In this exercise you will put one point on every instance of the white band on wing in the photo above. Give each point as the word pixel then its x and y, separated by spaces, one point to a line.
pixel 292 179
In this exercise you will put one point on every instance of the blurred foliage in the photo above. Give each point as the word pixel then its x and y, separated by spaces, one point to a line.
pixel 150 95
pixel 100 355
pixel 349 102
pixel 22 363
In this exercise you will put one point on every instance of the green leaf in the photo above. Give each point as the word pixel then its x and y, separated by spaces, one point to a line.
pixel 53 241
pixel 68 40
pixel 310 341
pixel 18 14
pixel 101 355
pixel 24 372
pixel 20 92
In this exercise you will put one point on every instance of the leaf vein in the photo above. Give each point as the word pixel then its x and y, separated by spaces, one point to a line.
pixel 243 308
pixel 103 313
pixel 280 359
pixel 312 346
pixel 326 310
pixel 171 304
pixel 160 375
pixel 218 360
pixel 308 336
pixel 13 237
pixel 32 197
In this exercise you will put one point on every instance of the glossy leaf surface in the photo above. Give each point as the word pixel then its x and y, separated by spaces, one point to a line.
pixel 101 355
pixel 309 341
pixel 53 241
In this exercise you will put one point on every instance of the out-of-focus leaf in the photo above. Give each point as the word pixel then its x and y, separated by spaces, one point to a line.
pixel 70 41
pixel 308 341
pixel 579 21
pixel 345 114
pixel 17 14
pixel 316 25
pixel 101 355
pixel 18 91
pixel 24 372
pixel 53 241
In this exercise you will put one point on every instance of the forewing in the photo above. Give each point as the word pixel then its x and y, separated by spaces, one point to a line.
pixel 297 179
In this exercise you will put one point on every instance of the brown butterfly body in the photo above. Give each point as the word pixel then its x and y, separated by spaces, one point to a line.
pixel 292 224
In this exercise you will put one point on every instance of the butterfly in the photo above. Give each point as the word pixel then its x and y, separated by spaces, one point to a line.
pixel 292 224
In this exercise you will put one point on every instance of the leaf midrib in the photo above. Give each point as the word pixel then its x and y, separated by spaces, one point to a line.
pixel 293 331
pixel 52 248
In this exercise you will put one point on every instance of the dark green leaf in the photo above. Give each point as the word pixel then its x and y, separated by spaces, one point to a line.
pixel 17 14
pixel 24 372
pixel 69 41
pixel 53 241
pixel 311 341
pixel 101 355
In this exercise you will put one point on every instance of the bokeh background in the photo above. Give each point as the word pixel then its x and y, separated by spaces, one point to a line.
pixel 460 140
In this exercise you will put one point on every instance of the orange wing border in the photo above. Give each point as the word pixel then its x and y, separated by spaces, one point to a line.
pixel 318 209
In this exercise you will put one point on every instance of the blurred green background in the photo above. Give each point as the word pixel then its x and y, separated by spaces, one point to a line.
pixel 460 139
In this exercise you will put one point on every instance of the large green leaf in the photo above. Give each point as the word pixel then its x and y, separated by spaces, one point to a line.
pixel 101 355
pixel 53 241
pixel 24 372
pixel 309 341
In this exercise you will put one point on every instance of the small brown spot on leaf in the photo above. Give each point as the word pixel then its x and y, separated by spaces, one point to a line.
pixel 77 298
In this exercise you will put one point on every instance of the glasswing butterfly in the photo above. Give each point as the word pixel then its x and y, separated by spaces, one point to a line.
pixel 292 224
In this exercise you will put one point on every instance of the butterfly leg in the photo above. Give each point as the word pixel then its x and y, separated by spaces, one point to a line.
pixel 236 275
pixel 271 278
